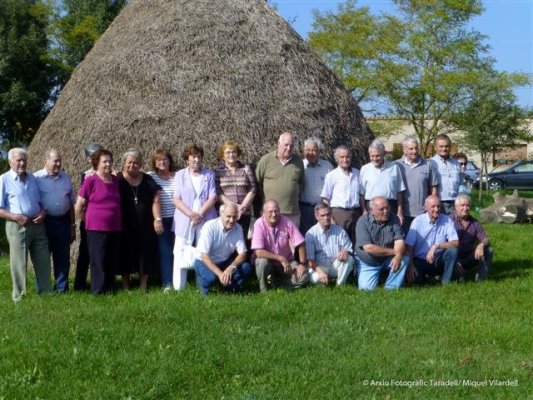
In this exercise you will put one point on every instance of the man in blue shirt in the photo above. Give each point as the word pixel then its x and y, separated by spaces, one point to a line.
pixel 20 207
pixel 433 244
pixel 57 199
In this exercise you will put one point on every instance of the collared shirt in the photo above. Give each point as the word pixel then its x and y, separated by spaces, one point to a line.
pixel 281 182
pixel 324 246
pixel 469 236
pixel 19 197
pixel 218 243
pixel 235 185
pixel 450 177
pixel 341 189
pixel 314 180
pixel 370 231
pixel 165 194
pixel 56 192
pixel 277 239
pixel 424 233
pixel 385 181
pixel 418 178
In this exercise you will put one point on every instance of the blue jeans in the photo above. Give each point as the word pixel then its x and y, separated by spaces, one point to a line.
pixel 369 274
pixel 165 243
pixel 58 233
pixel 205 278
pixel 443 264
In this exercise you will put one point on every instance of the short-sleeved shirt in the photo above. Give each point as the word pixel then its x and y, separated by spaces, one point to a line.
pixel 103 212
pixel 469 236
pixel 218 243
pixel 385 181
pixel 418 179
pixel 324 246
pixel 18 196
pixel 315 176
pixel 449 175
pixel 56 192
pixel 235 185
pixel 342 189
pixel 281 182
pixel 277 239
pixel 423 234
pixel 370 231
pixel 167 192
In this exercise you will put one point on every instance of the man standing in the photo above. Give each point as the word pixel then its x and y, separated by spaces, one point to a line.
pixel 281 176
pixel 273 240
pixel 380 246
pixel 474 247
pixel 57 199
pixel 341 192
pixel 448 171
pixel 382 178
pixel 315 174
pixel 20 207
pixel 432 243
pixel 328 249
pixel 219 239
pixel 420 180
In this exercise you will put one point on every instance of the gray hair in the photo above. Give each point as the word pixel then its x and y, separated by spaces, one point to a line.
pixel 373 200
pixel 462 196
pixel 338 149
pixel 377 145
pixel 89 150
pixel 321 206
pixel 132 153
pixel 48 153
pixel 14 151
pixel 410 140
pixel 224 207
pixel 313 140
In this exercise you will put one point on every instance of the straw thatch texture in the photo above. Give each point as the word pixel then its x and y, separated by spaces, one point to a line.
pixel 170 73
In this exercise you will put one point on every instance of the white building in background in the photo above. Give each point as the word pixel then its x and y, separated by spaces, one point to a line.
pixel 393 143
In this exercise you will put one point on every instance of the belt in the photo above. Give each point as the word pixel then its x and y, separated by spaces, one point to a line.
pixel 347 209
pixel 305 203
pixel 447 201
pixel 65 216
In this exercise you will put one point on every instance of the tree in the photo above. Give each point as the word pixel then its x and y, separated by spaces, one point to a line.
pixel 422 62
pixel 77 26
pixel 26 76
pixel 491 120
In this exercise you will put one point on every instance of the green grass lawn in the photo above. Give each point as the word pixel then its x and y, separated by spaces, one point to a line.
pixel 312 344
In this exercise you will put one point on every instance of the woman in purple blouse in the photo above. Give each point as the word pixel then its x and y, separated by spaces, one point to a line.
pixel 98 205
pixel 195 197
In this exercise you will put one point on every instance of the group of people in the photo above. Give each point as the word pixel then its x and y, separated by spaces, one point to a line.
pixel 318 223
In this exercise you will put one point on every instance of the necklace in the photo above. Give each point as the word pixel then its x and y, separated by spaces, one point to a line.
pixel 135 191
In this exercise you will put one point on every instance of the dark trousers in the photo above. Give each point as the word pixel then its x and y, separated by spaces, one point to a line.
pixel 58 234
pixel 82 265
pixel 205 278
pixel 443 265
pixel 103 253
pixel 307 217
pixel 166 252
pixel 347 219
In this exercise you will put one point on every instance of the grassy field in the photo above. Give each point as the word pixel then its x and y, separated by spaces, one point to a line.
pixel 462 341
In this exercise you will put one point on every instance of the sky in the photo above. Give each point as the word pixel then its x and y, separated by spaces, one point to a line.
pixel 507 23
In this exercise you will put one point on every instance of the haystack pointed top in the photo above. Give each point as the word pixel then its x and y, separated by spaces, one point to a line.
pixel 170 73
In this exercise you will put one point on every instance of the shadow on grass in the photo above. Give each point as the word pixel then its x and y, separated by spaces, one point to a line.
pixel 514 268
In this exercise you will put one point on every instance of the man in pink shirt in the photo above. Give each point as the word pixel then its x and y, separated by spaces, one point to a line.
pixel 273 240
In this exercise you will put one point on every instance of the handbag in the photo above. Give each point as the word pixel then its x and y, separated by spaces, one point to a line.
pixel 189 253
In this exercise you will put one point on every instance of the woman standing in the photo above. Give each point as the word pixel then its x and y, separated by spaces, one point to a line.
pixel 141 217
pixel 235 182
pixel 98 205
pixel 163 174
pixel 195 197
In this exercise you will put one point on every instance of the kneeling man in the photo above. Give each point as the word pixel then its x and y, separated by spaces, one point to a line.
pixel 273 240
pixel 432 242
pixel 380 245
pixel 474 248
pixel 219 240
pixel 328 248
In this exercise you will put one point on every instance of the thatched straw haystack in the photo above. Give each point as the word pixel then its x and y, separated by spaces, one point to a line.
pixel 170 73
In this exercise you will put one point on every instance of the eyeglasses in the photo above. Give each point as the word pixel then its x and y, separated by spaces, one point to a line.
pixel 462 164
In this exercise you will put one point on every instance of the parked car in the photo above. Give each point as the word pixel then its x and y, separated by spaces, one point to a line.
pixel 471 175
pixel 516 176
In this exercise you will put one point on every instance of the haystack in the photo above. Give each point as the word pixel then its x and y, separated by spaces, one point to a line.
pixel 170 73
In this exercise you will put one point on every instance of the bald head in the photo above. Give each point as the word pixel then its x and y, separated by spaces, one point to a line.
pixel 285 148
pixel 52 162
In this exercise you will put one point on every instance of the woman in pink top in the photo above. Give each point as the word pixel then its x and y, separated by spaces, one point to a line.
pixel 98 206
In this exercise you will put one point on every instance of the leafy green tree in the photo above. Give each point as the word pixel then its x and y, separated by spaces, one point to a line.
pixel 26 76
pixel 78 25
pixel 491 120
